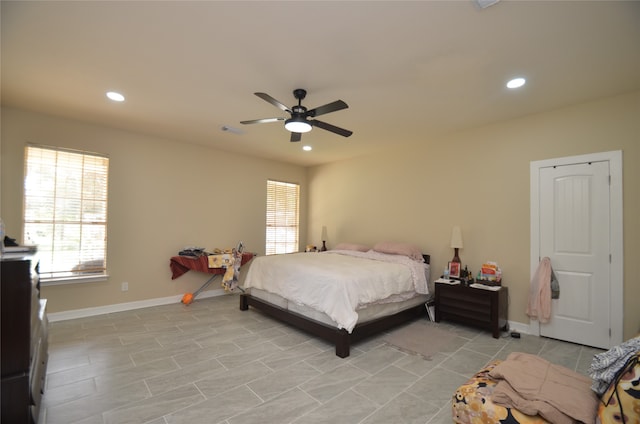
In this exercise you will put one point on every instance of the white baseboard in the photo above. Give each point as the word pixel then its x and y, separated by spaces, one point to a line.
pixel 519 327
pixel 120 307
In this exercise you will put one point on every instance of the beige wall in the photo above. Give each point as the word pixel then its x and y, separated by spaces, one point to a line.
pixel 163 195
pixel 479 179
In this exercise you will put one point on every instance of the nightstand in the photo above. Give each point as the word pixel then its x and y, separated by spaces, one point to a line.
pixel 482 308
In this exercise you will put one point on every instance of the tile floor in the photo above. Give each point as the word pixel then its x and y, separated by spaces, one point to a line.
pixel 209 362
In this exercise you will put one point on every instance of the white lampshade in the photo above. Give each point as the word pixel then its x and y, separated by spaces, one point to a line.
pixel 456 237
pixel 324 233
pixel 297 125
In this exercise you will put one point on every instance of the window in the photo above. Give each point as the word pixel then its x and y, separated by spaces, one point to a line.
pixel 283 201
pixel 65 211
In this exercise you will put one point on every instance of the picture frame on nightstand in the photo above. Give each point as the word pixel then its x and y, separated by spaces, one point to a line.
pixel 454 269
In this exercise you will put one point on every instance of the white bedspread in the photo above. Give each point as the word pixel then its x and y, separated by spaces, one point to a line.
pixel 338 282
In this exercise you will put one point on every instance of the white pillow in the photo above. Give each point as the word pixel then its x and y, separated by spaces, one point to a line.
pixel 394 248
pixel 352 246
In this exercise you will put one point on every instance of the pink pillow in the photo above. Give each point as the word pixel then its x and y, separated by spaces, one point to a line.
pixel 352 246
pixel 406 249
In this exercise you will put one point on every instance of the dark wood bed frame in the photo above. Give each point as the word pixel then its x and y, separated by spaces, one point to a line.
pixel 340 338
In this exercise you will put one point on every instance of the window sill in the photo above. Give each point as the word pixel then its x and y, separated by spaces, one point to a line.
pixel 73 280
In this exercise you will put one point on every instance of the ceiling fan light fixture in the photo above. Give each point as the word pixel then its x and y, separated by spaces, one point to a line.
pixel 297 125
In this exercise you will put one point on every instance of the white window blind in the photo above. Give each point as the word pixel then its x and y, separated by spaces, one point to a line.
pixel 65 211
pixel 283 200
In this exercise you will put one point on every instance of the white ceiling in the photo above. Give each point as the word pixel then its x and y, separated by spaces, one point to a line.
pixel 410 71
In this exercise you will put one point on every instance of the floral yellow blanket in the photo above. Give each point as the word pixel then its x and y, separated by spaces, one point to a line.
pixel 620 403
pixel 472 403
pixel 536 386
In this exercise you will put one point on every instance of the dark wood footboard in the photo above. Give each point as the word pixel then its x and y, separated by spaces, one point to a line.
pixel 340 338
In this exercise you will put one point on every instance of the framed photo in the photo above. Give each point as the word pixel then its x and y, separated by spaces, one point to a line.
pixel 454 269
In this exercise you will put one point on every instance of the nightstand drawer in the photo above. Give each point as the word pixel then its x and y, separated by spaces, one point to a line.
pixel 478 315
pixel 458 297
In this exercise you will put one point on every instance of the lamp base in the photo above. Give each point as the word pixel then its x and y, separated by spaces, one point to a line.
pixel 324 246
pixel 456 258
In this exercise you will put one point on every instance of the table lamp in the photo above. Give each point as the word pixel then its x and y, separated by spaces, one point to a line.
pixel 324 239
pixel 456 242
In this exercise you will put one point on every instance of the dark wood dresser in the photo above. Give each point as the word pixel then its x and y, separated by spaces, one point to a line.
pixel 24 339
pixel 473 306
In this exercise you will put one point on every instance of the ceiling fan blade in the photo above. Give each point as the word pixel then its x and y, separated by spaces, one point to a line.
pixel 268 98
pixel 262 121
pixel 296 136
pixel 332 128
pixel 329 107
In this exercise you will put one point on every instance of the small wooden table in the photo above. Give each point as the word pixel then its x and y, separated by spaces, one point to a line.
pixel 182 264
pixel 477 307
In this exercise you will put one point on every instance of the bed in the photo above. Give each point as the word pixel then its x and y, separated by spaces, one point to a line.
pixel 341 295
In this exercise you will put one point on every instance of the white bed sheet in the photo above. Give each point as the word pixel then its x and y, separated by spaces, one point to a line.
pixel 338 283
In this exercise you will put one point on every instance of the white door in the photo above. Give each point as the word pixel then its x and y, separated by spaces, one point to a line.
pixel 575 234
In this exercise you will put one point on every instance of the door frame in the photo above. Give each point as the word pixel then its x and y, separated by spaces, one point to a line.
pixel 616 232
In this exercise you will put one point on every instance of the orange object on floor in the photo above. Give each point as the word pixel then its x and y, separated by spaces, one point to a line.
pixel 187 298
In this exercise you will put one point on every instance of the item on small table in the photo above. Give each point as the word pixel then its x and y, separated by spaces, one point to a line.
pixel 445 280
pixel 195 252
pixel 454 269
pixel 490 272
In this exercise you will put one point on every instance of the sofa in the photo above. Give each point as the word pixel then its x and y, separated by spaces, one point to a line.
pixel 527 389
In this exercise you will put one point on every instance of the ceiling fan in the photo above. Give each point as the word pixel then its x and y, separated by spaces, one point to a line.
pixel 298 123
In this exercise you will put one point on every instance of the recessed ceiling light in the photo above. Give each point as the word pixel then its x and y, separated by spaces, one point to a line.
pixel 307 148
pixel 116 97
pixel 516 82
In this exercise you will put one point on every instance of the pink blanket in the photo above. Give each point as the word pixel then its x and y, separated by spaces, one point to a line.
pixel 535 386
